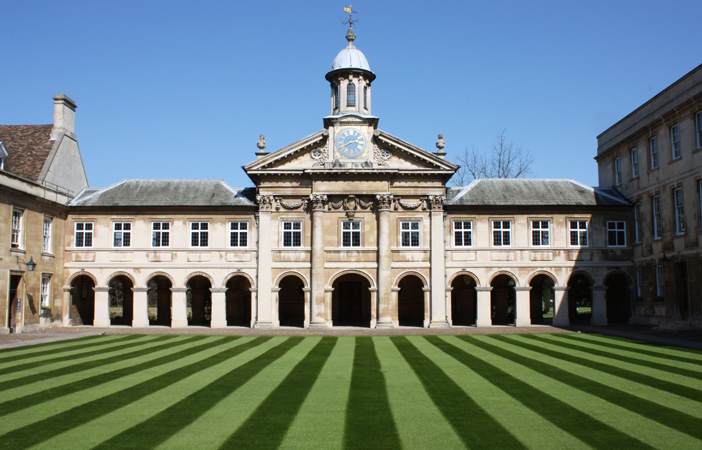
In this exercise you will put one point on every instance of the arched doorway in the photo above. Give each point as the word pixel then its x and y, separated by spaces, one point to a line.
pixel 503 300
pixel 291 302
pixel 121 301
pixel 238 302
pixel 579 298
pixel 199 301
pixel 410 302
pixel 541 299
pixel 618 297
pixel 82 301
pixel 463 300
pixel 351 303
pixel 159 300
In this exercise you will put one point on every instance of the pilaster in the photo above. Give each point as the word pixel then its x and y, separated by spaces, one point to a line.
pixel 102 307
pixel 319 312
pixel 523 312
pixel 385 300
pixel 66 306
pixel 561 316
pixel 179 308
pixel 141 307
pixel 219 308
pixel 264 312
pixel 483 313
pixel 438 263
pixel 599 306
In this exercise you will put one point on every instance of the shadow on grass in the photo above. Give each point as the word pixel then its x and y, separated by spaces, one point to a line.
pixel 54 348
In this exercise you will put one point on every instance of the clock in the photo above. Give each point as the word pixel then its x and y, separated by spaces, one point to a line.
pixel 350 143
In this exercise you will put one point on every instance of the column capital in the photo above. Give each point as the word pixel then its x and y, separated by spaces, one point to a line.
pixel 385 201
pixel 218 290
pixel 101 289
pixel 436 202
pixel 179 290
pixel 265 202
pixel 523 288
pixel 319 202
pixel 140 289
pixel 483 288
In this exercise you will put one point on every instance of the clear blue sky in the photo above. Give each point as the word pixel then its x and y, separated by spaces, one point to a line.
pixel 172 89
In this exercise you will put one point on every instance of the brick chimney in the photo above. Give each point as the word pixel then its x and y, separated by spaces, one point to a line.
pixel 64 116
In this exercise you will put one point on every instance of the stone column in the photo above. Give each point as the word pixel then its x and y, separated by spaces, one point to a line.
pixel 374 306
pixel 438 263
pixel 561 316
pixel 254 306
pixel 599 305
pixel 179 308
pixel 385 300
pixel 141 307
pixel 523 312
pixel 449 311
pixel 219 308
pixel 264 312
pixel 66 307
pixel 428 308
pixel 307 293
pixel 102 307
pixel 275 307
pixel 483 313
pixel 319 312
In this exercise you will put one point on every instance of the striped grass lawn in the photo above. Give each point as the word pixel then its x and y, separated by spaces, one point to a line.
pixel 479 391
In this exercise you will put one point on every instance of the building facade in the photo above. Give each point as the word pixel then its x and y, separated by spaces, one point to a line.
pixel 654 157
pixel 349 226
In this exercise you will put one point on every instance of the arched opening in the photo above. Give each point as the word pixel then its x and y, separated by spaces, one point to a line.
pixel 82 301
pixel 541 299
pixel 291 302
pixel 350 94
pixel 199 301
pixel 579 298
pixel 121 301
pixel 464 300
pixel 410 302
pixel 618 297
pixel 351 303
pixel 159 300
pixel 238 302
pixel 503 300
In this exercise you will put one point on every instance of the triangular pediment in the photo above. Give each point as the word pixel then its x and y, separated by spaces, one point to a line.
pixel 315 153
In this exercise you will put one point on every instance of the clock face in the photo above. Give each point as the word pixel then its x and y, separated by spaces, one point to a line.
pixel 350 143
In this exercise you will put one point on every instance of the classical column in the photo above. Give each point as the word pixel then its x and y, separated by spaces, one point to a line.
pixel 179 308
pixel 438 263
pixel 254 306
pixel 275 306
pixel 385 303
pixel 66 307
pixel 307 294
pixel 599 305
pixel 264 312
pixel 374 306
pixel 523 316
pixel 319 312
pixel 141 307
pixel 428 310
pixel 483 313
pixel 102 307
pixel 218 316
pixel 561 316
pixel 449 311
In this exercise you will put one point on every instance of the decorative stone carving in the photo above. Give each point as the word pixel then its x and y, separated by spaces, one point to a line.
pixel 385 201
pixel 300 204
pixel 321 155
pixel 318 201
pixel 436 202
pixel 265 202
pixel 409 206
pixel 380 156
pixel 351 204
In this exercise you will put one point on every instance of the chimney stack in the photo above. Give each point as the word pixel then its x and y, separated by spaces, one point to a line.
pixel 64 116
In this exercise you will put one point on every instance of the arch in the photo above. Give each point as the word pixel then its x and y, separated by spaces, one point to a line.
pixel 351 94
pixel 506 273
pixel 618 296
pixel 159 274
pixel 341 273
pixel 335 94
pixel 542 297
pixel 192 275
pixel 410 300
pixel 351 299
pixel 199 299
pixel 158 294
pixel 539 272
pixel 583 273
pixel 120 273
pixel 82 307
pixel 291 300
pixel 464 299
pixel 503 298
pixel 475 278
pixel 252 281
pixel 287 273
pixel 580 296
pixel 399 278
pixel 238 301
pixel 121 299
pixel 616 272
pixel 72 278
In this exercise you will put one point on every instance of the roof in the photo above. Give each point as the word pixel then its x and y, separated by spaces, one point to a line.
pixel 166 193
pixel 532 192
pixel 350 58
pixel 28 147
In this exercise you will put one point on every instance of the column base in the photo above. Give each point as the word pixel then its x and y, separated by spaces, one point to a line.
pixel 263 325
pixel 522 323
pixel 319 325
pixel 218 324
pixel 97 323
pixel 385 325
pixel 136 324
pixel 179 323
pixel 439 325
pixel 480 323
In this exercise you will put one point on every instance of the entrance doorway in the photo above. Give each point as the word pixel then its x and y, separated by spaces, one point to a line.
pixel 541 299
pixel 82 301
pixel 121 301
pixel 503 298
pixel 13 303
pixel 291 302
pixel 410 302
pixel 199 301
pixel 579 298
pixel 238 302
pixel 463 300
pixel 351 304
pixel 159 300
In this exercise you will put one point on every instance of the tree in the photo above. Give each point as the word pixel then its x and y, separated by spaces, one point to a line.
pixel 504 160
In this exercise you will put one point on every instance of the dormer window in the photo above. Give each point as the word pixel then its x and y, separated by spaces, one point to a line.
pixel 351 94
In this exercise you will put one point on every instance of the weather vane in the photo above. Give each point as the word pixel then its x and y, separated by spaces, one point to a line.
pixel 348 10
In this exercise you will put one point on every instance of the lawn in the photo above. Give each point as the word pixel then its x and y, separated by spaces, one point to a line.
pixel 496 391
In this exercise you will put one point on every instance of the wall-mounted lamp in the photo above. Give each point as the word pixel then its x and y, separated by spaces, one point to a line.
pixel 31 265
pixel 665 261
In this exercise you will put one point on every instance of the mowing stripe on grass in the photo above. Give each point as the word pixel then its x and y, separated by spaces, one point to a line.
pixel 475 427
pixel 20 403
pixel 571 420
pixel 53 348
pixel 80 367
pixel 664 415
pixel 267 425
pixel 647 363
pixel 73 357
pixel 616 344
pixel 165 424
pixel 368 414
pixel 637 377
pixel 44 429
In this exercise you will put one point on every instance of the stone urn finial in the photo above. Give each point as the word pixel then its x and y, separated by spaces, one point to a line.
pixel 440 144
pixel 261 144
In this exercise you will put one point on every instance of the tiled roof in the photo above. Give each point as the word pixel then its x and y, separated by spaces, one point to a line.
pixel 532 192
pixel 166 193
pixel 28 147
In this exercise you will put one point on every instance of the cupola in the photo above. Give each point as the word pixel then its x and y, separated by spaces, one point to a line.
pixel 350 78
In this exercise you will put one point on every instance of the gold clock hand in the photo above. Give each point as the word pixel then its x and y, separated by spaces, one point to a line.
pixel 348 143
